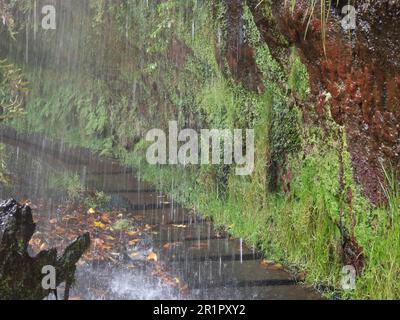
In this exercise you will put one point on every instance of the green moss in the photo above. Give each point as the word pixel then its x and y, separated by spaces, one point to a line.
pixel 298 77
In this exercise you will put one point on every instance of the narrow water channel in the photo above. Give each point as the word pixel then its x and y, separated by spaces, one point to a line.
pixel 193 260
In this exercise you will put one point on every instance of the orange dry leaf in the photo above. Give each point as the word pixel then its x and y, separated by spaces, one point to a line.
pixel 69 217
pixel 131 233
pixel 98 242
pixel 266 263
pixel 171 245
pixel 133 242
pixel 105 217
pixel 106 247
pixel 60 231
pixel 277 266
pixel 271 265
pixel 152 256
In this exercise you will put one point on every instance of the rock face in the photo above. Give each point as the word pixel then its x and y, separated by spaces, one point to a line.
pixel 20 274
pixel 354 73
pixel 238 53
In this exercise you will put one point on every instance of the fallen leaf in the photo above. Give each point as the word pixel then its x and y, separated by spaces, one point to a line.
pixel 133 242
pixel 271 265
pixel 60 231
pixel 301 277
pixel 134 254
pixel 99 224
pixel 53 221
pixel 152 256
pixel 98 242
pixel 277 266
pixel 266 263
pixel 91 211
pixel 105 217
pixel 184 288
pixel 106 247
pixel 74 298
pixel 69 217
pixel 171 245
pixel 112 260
pixel 179 225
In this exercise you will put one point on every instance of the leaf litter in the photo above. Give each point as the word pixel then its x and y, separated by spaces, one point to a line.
pixel 127 248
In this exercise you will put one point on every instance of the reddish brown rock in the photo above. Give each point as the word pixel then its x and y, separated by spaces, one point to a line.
pixel 360 72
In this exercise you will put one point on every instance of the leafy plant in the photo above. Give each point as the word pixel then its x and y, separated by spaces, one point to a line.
pixel 13 90
pixel 77 193
pixel 99 200
pixel 122 225
pixel 4 180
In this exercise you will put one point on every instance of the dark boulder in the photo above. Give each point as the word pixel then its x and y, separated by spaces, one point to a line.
pixel 21 274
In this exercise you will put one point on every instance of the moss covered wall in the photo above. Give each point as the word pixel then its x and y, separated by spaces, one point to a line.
pixel 354 74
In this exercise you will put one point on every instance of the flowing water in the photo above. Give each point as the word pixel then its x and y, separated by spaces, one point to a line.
pixel 207 263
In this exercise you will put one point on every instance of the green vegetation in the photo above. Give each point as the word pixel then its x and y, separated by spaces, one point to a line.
pixel 3 168
pixel 12 91
pixel 77 193
pixel 163 67
pixel 122 225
